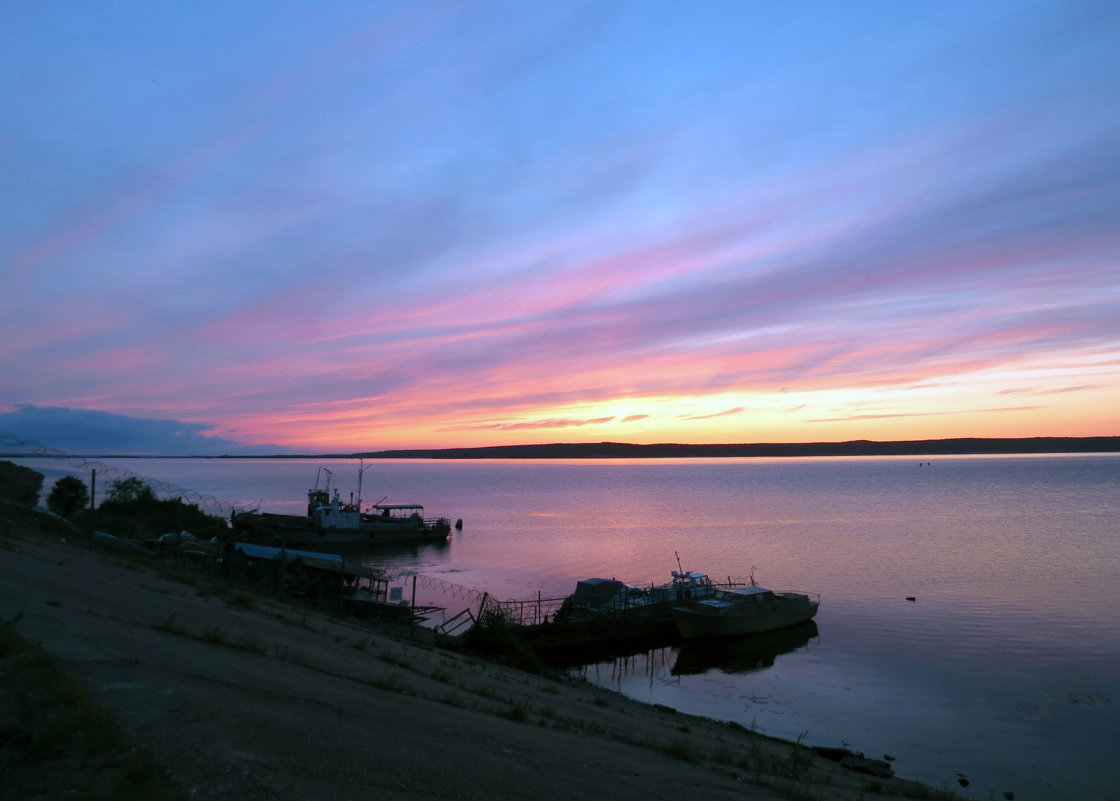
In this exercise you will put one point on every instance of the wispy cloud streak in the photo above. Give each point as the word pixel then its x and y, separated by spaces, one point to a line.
pixel 447 222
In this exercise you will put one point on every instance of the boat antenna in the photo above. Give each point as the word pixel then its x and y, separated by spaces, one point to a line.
pixel 679 568
pixel 361 470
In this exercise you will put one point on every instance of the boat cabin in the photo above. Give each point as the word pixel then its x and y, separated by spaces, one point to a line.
pixel 398 511
pixel 691 586
pixel 739 597
pixel 335 515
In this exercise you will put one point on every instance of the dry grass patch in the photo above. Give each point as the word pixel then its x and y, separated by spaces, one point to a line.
pixel 57 741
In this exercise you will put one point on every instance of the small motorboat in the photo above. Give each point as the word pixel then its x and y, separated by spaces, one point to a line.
pixel 744 610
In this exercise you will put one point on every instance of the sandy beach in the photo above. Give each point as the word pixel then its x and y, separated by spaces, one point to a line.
pixel 237 695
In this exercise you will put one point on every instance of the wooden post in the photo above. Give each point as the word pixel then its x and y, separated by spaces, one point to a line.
pixel 414 592
pixel 92 488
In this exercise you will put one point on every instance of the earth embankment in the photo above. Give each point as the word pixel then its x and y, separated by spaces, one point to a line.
pixel 238 695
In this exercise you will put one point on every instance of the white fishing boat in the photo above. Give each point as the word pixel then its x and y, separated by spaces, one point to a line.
pixel 332 521
pixel 744 610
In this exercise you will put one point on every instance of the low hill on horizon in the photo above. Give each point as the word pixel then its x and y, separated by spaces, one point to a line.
pixel 959 446
pixel 621 450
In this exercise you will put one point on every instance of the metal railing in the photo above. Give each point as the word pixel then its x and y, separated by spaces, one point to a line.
pixel 535 611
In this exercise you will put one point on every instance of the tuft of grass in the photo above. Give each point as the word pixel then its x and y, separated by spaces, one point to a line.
pixel 680 748
pixel 453 699
pixel 391 683
pixel 724 755
pixel 439 674
pixel 591 727
pixel 215 635
pixel 798 762
pixel 924 793
pixel 399 661
pixel 241 600
pixel 518 713
pixel 250 644
pixel 168 626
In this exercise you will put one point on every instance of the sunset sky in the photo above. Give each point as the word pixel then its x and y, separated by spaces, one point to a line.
pixel 371 225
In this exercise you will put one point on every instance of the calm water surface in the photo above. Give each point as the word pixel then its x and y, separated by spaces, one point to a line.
pixel 1003 668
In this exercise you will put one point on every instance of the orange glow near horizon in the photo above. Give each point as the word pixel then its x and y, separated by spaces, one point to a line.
pixel 770 236
pixel 994 404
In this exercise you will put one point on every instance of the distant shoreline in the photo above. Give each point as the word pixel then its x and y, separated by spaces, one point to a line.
pixel 618 450
pixel 960 446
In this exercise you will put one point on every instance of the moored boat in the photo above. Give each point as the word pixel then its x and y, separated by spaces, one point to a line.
pixel 599 599
pixel 330 521
pixel 324 578
pixel 744 610
pixel 603 617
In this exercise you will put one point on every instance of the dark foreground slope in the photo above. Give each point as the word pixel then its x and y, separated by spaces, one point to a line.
pixel 239 696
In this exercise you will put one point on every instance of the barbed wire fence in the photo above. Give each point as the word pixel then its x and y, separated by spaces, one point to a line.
pixel 479 602
pixel 165 490
pixel 521 611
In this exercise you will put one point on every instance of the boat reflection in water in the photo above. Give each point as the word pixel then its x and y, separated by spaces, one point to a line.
pixel 729 655
pixel 741 654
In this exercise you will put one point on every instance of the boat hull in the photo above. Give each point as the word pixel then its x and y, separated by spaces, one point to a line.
pixel 699 621
pixel 295 531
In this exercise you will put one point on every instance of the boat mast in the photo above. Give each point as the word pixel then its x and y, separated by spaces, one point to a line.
pixel 361 470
